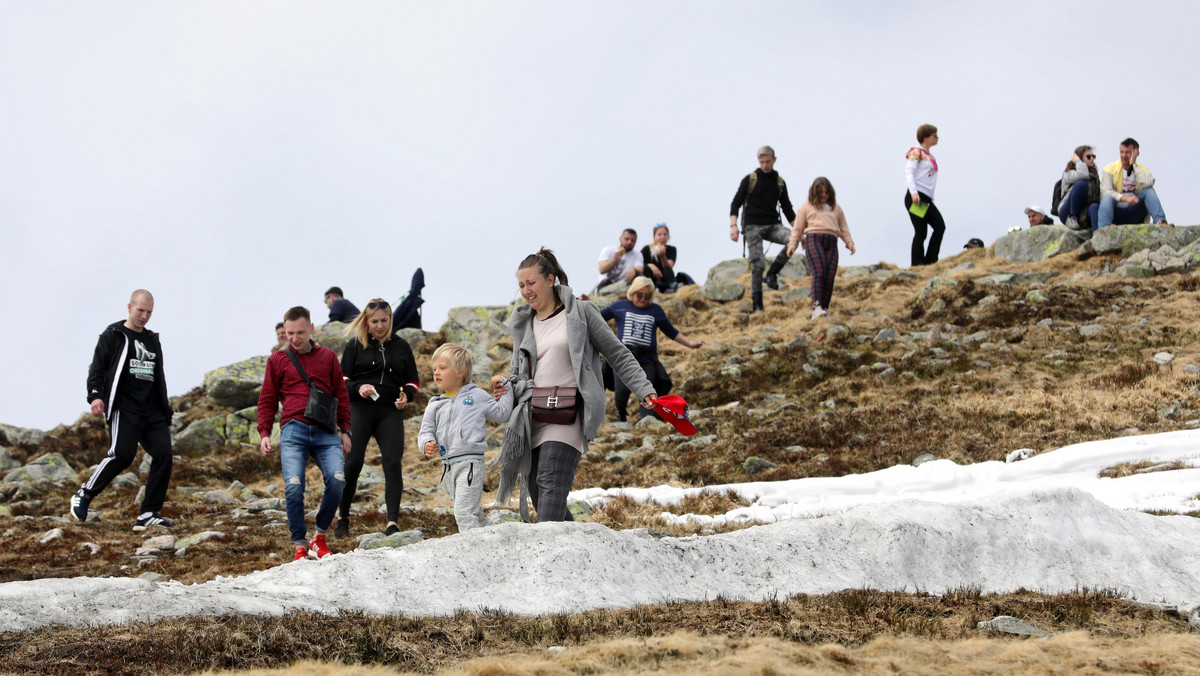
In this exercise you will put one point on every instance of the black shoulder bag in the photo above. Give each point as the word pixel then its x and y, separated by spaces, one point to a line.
pixel 322 407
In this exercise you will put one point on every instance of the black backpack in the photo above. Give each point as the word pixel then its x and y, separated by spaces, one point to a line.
pixel 1057 197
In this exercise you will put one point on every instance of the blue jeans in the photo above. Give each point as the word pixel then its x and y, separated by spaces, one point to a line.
pixel 297 441
pixel 1120 213
pixel 1075 203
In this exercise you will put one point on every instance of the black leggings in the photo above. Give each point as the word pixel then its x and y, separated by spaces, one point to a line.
pixel 932 219
pixel 386 423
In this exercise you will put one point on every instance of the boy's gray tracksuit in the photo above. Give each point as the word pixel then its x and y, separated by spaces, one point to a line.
pixel 459 427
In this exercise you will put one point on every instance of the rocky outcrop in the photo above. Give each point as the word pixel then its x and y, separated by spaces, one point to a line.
pixel 1129 239
pixel 1040 243
pixel 44 468
pixel 477 328
pixel 238 384
pixel 730 270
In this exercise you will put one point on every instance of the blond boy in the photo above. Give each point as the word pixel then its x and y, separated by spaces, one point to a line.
pixel 455 428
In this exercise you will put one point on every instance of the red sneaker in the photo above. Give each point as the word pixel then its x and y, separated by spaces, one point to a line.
pixel 318 548
pixel 301 552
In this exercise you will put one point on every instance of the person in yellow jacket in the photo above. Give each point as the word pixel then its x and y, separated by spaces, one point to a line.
pixel 1127 191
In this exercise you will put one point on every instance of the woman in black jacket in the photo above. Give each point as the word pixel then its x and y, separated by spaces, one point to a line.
pixel 381 376
pixel 659 260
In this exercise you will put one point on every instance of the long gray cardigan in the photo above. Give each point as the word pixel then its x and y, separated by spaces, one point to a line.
pixel 588 337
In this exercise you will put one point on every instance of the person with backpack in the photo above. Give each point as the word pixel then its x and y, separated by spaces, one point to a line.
pixel 920 175
pixel 760 196
pixel 1080 205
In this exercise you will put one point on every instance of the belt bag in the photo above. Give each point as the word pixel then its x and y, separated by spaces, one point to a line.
pixel 321 409
pixel 555 405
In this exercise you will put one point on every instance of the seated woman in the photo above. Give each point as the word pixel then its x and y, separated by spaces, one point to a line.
pixel 659 259
pixel 637 320
pixel 1080 190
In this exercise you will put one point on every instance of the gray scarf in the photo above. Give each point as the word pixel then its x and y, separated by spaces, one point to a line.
pixel 516 454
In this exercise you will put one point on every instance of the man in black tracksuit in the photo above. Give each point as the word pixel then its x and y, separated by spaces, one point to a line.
pixel 126 384
pixel 760 196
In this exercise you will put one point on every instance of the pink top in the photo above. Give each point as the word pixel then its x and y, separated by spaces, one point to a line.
pixel 820 220
pixel 553 369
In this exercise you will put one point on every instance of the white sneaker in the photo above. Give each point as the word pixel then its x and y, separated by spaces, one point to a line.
pixel 818 312
pixel 1072 222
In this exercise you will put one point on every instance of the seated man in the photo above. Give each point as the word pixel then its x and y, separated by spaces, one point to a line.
pixel 619 261
pixel 340 309
pixel 1127 191
pixel 1037 217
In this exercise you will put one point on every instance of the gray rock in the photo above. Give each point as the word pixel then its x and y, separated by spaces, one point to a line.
pixel 50 536
pixel 1091 330
pixel 699 442
pixel 1015 278
pixel 723 293
pixel 476 328
pixel 201 437
pixel 757 465
pixel 265 504
pixel 795 268
pixel 502 516
pixel 236 385
pixel 922 459
pixel 1170 411
pixel 799 341
pixel 152 576
pixel 1129 239
pixel 649 422
pixel 1037 296
pixel 618 456
pixel 197 538
pixel 126 480
pixel 44 468
pixel 1046 323
pixel 853 271
pixel 1191 370
pixel 1036 244
pixel 800 293
pixel 395 541
pixel 888 372
pixel 1194 617
pixel 219 498
pixel 579 508
pixel 1006 624
pixel 727 271
pixel 1164 358
pixel 6 460
pixel 90 547
pixel 961 268
pixel 1134 271
pixel 22 435
pixel 934 284
pixel 761 347
pixel 884 335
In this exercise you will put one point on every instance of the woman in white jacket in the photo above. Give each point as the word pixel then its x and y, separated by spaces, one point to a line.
pixel 920 175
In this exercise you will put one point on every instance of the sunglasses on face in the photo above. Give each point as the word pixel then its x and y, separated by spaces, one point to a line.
pixel 1089 157
pixel 644 295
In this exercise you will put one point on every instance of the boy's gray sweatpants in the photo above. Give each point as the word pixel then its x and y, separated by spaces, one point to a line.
pixel 463 480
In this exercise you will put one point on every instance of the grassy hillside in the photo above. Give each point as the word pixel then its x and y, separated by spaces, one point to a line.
pixel 974 370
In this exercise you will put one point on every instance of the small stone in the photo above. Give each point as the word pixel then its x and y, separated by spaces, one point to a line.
pixel 152 576
pixel 922 459
pixel 757 465
pixel 1019 454
pixel 1006 624
pixel 1191 370
pixel 1164 358
pixel 219 498
pixel 884 335
pixel 1045 323
pixel 1091 330
pixel 50 536
pixel 396 540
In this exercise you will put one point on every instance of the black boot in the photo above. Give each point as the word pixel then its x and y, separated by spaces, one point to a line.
pixel 773 272
pixel 756 299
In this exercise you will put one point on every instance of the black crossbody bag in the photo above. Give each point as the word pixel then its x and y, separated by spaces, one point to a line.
pixel 322 407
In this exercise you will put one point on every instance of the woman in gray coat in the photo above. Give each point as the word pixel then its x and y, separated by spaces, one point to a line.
pixel 557 341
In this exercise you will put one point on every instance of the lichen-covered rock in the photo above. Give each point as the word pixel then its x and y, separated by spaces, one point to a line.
pixel 44 468
pixel 727 271
pixel 723 293
pixel 413 336
pixel 476 328
pixel 332 335
pixel 6 460
pixel 236 385
pixel 200 437
pixel 197 538
pixel 1040 243
pixel 1129 239
pixel 853 271
pixel 22 435
pixel 1016 277
pixel 1006 624
pixel 379 540
pixel 239 424
pixel 936 283
pixel 757 465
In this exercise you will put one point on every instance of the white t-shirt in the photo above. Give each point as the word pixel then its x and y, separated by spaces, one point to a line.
pixel 631 259
pixel 1128 185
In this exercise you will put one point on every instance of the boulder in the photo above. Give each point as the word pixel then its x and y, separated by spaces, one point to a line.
pixel 934 284
pixel 1036 244
pixel 853 271
pixel 6 460
pixel 727 271
pixel 396 540
pixel 1128 239
pixel 240 424
pixel 333 335
pixel 46 467
pixel 476 328
pixel 723 293
pixel 1005 277
pixel 236 385
pixel 756 465
pixel 200 437
pixel 197 538
pixel 22 435
pixel 413 336
pixel 1006 624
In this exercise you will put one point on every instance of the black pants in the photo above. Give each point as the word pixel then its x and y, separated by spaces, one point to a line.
pixel 386 423
pixel 127 429
pixel 656 373
pixel 932 219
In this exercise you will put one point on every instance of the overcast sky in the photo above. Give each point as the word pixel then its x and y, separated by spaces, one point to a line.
pixel 238 158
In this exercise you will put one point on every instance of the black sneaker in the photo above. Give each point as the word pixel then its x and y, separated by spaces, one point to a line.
pixel 79 505
pixel 342 530
pixel 392 529
pixel 148 519
pixel 772 282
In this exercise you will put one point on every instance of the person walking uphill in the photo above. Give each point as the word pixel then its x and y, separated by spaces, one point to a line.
pixel 920 175
pixel 819 224
pixel 381 377
pixel 558 390
pixel 126 385
pixel 760 196
pixel 307 380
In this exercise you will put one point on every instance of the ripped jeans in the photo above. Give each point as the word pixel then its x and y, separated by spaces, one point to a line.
pixel 297 441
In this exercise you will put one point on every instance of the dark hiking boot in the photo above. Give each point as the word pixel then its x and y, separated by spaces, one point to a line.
pixel 342 530
pixel 756 300
pixel 79 505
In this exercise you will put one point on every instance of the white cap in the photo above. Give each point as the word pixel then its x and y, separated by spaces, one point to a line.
pixel 1034 208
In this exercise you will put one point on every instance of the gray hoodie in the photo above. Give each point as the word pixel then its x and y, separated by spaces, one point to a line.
pixel 459 425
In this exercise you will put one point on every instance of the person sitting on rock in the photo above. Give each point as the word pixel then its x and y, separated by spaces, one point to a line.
pixel 340 309
pixel 1080 187
pixel 1127 192
pixel 1037 216
pixel 619 262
